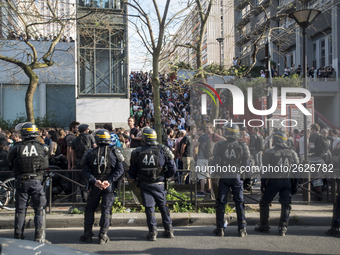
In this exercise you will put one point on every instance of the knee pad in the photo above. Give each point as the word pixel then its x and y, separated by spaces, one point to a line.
pixel 39 211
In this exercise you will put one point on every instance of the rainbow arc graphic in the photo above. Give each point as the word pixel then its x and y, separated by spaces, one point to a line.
pixel 209 93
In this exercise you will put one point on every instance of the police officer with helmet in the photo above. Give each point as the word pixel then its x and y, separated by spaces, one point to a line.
pixel 280 155
pixel 234 153
pixel 150 166
pixel 102 167
pixel 29 159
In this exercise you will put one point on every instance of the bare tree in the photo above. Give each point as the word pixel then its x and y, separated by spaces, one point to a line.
pixel 23 20
pixel 154 43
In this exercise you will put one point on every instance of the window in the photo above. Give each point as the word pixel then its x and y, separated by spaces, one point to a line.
pixel 101 62
pixel 330 51
pixel 322 53
pixel 314 55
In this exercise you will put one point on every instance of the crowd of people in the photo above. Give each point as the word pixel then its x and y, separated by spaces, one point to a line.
pixel 190 143
pixel 321 72
pixel 48 38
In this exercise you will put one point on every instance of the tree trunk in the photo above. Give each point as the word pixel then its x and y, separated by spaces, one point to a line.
pixel 156 96
pixel 33 84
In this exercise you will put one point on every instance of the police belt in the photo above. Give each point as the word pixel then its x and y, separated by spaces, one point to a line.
pixel 25 177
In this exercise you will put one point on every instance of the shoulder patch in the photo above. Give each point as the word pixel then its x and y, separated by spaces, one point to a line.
pixel 119 155
pixel 167 152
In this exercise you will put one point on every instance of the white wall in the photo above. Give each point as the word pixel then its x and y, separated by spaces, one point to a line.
pixel 103 110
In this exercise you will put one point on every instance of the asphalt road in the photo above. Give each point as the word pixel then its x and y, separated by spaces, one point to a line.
pixel 199 240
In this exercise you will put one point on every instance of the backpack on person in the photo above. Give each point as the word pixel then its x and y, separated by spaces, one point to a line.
pixel 321 145
pixel 82 143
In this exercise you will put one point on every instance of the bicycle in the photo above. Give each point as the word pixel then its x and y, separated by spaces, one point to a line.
pixel 7 194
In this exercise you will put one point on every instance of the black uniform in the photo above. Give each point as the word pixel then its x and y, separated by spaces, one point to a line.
pixel 280 154
pixel 101 163
pixel 234 153
pixel 28 160
pixel 150 165
pixel 80 145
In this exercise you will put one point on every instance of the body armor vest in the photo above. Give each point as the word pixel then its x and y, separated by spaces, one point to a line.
pixel 30 157
pixel 100 162
pixel 281 157
pixel 233 153
pixel 147 160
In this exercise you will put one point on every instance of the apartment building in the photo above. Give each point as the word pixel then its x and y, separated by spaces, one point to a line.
pixel 260 21
pixel 38 12
pixel 220 24
pixel 256 19
pixel 89 79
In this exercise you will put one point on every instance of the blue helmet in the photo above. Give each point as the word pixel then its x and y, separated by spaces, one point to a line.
pixel 149 136
pixel 232 130
pixel 279 137
pixel 102 136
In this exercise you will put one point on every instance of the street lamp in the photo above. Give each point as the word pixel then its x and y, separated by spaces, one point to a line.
pixel 220 40
pixel 304 18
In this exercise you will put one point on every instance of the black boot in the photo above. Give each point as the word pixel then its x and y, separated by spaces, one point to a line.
pixel 87 237
pixel 242 232
pixel 333 232
pixel 18 234
pixel 282 231
pixel 219 232
pixel 168 233
pixel 103 238
pixel 40 236
pixel 264 217
pixel 152 235
pixel 285 211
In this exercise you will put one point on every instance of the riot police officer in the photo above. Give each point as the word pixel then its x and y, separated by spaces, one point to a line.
pixel 280 155
pixel 28 160
pixel 230 152
pixel 335 227
pixel 150 166
pixel 102 167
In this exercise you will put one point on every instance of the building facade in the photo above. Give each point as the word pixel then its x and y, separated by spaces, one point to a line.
pixel 220 24
pixel 102 94
pixel 260 21
pixel 89 79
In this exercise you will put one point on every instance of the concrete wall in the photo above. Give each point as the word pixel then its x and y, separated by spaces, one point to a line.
pixel 55 95
pixel 103 110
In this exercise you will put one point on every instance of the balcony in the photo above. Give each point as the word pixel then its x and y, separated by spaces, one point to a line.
pixel 101 4
pixel 244 19
pixel 240 4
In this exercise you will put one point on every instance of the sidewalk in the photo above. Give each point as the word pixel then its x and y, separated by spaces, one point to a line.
pixel 317 214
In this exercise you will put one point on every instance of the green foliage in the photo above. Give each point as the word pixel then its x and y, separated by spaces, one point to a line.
pixel 180 65
pixel 215 69
pixel 75 210
pixel 47 121
pixel 180 207
pixel 142 208
pixel 118 208
pixel 259 84
pixel 212 210
pixel 173 195
pixel 10 124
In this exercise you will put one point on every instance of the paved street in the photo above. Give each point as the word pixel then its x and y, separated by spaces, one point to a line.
pixel 199 240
